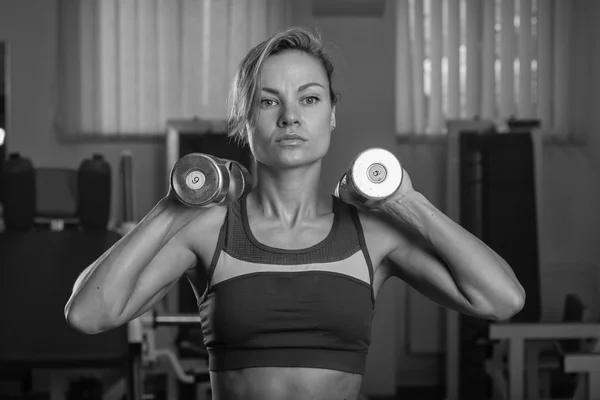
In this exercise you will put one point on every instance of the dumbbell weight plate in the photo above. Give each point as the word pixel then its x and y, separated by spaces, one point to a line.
pixel 374 175
pixel 199 179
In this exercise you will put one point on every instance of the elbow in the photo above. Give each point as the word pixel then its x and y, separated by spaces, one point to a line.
pixel 500 306
pixel 511 306
pixel 76 322
pixel 83 321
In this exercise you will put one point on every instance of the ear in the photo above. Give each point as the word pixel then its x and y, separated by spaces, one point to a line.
pixel 332 119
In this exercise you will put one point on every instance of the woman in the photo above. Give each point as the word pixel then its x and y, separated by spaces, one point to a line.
pixel 293 272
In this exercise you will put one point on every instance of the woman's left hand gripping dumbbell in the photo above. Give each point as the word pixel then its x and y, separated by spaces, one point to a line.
pixel 202 180
pixel 375 177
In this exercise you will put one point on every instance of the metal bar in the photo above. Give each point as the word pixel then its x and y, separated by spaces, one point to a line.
pixel 582 362
pixel 172 319
pixel 535 331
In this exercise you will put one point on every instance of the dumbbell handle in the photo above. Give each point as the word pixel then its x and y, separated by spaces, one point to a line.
pixel 240 181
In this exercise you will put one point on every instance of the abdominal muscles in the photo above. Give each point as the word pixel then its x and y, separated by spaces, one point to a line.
pixel 266 383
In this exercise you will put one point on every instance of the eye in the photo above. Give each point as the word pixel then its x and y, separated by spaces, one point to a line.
pixel 268 102
pixel 311 100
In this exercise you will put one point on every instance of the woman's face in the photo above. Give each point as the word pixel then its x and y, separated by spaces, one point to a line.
pixel 293 111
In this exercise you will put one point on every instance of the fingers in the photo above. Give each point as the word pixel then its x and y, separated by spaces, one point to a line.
pixel 373 176
pixel 202 180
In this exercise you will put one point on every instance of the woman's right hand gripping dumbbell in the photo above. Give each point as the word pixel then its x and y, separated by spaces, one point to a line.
pixel 202 180
pixel 179 233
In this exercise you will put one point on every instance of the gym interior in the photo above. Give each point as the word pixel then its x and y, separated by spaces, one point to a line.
pixel 515 169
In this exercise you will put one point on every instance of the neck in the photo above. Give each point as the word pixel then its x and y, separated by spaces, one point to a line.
pixel 288 194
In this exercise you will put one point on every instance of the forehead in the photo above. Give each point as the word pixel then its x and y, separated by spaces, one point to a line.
pixel 292 67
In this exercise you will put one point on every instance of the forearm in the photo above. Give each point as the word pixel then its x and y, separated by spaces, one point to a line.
pixel 105 286
pixel 482 276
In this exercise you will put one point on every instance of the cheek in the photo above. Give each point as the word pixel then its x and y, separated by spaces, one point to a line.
pixel 258 138
pixel 324 122
pixel 265 122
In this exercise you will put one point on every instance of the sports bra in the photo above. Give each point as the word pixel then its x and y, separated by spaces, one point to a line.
pixel 270 307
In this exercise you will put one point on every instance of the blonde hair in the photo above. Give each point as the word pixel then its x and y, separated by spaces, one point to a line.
pixel 246 81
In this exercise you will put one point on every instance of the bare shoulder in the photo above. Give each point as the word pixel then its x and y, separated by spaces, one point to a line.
pixel 201 234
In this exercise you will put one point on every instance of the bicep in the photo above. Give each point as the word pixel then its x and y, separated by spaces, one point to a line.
pixel 416 263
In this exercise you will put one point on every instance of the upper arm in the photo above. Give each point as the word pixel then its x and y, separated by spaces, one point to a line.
pixel 411 259
pixel 427 273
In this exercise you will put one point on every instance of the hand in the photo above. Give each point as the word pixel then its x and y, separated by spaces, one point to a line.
pixel 172 201
pixel 180 213
pixel 343 192
pixel 405 188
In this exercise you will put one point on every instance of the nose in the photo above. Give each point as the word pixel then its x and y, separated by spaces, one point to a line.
pixel 289 117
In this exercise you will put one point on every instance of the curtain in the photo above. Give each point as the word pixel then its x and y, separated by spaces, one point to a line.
pixel 488 59
pixel 126 66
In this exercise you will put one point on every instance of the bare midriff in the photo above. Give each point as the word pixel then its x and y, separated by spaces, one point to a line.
pixel 276 383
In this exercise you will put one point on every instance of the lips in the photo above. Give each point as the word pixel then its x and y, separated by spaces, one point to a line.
pixel 289 136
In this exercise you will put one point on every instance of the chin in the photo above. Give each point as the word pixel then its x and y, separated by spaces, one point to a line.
pixel 294 158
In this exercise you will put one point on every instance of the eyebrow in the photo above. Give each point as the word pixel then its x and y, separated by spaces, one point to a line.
pixel 300 89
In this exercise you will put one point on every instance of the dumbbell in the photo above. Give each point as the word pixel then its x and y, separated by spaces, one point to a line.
pixel 373 176
pixel 199 180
